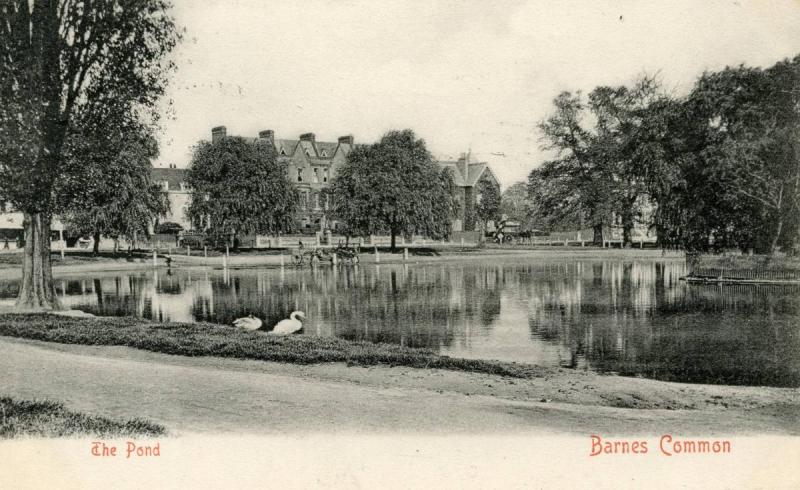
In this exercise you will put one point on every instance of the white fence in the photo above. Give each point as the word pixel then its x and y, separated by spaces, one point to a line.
pixel 329 240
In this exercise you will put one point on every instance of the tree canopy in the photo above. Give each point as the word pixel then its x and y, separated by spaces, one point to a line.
pixel 393 186
pixel 110 192
pixel 488 202
pixel 517 206
pixel 720 167
pixel 239 187
pixel 64 62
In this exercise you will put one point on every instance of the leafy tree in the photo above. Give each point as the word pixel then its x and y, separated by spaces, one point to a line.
pixel 740 158
pixel 571 189
pixel 394 185
pixel 515 204
pixel 59 59
pixel 238 187
pixel 608 152
pixel 110 192
pixel 488 202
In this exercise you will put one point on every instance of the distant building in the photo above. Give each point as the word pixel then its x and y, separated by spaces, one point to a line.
pixel 311 165
pixel 173 181
pixel 467 176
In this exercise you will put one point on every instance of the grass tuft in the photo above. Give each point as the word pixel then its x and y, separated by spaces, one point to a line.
pixel 52 419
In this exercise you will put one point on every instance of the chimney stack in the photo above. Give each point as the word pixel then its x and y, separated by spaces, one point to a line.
pixel 218 133
pixel 346 139
pixel 463 164
pixel 308 137
pixel 268 135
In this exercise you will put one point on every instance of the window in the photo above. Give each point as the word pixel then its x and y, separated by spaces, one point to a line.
pixel 316 200
pixel 299 174
pixel 307 153
pixel 324 153
pixel 283 152
pixel 316 175
pixel 325 174
pixel 327 201
pixel 165 185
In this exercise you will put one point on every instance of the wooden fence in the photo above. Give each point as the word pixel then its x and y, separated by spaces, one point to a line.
pixel 742 268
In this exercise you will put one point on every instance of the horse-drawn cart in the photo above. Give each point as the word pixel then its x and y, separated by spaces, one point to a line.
pixel 315 255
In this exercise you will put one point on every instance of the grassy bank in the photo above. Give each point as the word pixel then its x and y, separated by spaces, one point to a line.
pixel 52 419
pixel 206 339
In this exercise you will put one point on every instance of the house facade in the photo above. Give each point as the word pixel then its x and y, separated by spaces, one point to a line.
pixel 311 165
pixel 468 177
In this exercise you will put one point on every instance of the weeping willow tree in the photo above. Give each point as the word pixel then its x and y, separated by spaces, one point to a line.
pixel 63 62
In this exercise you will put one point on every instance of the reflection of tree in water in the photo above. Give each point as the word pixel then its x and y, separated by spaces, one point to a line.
pixel 418 307
pixel 635 324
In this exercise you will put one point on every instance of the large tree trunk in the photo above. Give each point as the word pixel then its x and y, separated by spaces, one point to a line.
pixel 626 235
pixel 36 291
pixel 96 247
pixel 774 244
pixel 598 234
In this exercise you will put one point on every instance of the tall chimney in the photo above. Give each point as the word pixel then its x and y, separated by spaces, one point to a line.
pixel 463 164
pixel 218 133
pixel 308 137
pixel 346 139
pixel 268 135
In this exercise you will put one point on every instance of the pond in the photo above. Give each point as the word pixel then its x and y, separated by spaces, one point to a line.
pixel 632 317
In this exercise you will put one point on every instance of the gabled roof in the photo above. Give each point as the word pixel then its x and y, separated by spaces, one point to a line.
pixel 474 171
pixel 287 145
pixel 307 147
pixel 174 176
pixel 458 177
pixel 328 148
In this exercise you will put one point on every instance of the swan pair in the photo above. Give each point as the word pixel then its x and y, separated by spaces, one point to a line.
pixel 293 324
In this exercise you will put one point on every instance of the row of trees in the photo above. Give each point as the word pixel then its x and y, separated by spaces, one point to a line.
pixel 391 186
pixel 719 167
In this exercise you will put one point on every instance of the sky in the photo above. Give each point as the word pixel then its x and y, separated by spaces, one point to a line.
pixel 464 75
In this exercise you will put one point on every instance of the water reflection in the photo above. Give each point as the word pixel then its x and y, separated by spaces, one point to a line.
pixel 631 317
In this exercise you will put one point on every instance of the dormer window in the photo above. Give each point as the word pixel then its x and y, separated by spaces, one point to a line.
pixel 165 185
pixel 324 153
pixel 283 151
pixel 184 186
pixel 308 154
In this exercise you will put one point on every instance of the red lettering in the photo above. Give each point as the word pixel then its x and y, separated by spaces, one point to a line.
pixel 597 446
pixel 668 439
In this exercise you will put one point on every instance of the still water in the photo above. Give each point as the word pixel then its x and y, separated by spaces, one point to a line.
pixel 633 317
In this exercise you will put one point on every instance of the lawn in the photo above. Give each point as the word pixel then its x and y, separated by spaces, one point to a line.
pixel 207 339
pixel 22 418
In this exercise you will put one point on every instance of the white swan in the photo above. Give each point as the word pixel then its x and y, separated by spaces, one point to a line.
pixel 291 325
pixel 248 323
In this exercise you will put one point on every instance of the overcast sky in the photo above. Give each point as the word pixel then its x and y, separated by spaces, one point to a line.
pixel 464 75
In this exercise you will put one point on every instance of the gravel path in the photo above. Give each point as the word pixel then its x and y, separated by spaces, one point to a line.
pixel 213 395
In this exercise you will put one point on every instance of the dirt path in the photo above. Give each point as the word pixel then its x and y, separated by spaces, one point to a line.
pixel 212 395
